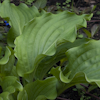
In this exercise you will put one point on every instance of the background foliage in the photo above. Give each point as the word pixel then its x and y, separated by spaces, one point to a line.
pixel 37 38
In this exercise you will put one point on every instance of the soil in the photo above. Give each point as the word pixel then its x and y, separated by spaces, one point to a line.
pixel 70 94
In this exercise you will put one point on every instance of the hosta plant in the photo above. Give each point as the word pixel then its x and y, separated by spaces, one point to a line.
pixel 36 42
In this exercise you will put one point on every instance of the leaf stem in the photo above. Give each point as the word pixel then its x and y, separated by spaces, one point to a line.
pixel 84 85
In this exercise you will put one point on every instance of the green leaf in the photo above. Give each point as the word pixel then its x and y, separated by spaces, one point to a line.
pixel 41 36
pixel 11 81
pixel 14 72
pixel 5 59
pixel 98 12
pixel 7 62
pixel 39 90
pixel 95 28
pixel 40 3
pixel 0 48
pixel 55 72
pixel 87 32
pixel 83 66
pixel 5 96
pixel 63 82
pixel 19 16
pixel 10 85
pixel 83 59
pixel 92 87
pixel 82 86
pixel 46 64
pixel 29 1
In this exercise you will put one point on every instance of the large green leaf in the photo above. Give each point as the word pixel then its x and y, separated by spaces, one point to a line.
pixel 83 59
pixel 62 86
pixel 48 62
pixel 41 35
pixel 19 16
pixel 39 90
pixel 83 66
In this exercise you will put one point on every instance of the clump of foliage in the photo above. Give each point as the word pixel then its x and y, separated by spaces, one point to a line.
pixel 65 5
pixel 36 42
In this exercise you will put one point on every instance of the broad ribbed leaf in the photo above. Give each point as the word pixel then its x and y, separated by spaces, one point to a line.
pixel 62 86
pixel 41 35
pixel 39 90
pixel 19 16
pixel 83 66
pixel 83 59
pixel 48 62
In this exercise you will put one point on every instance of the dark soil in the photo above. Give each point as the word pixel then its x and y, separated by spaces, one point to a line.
pixel 70 94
